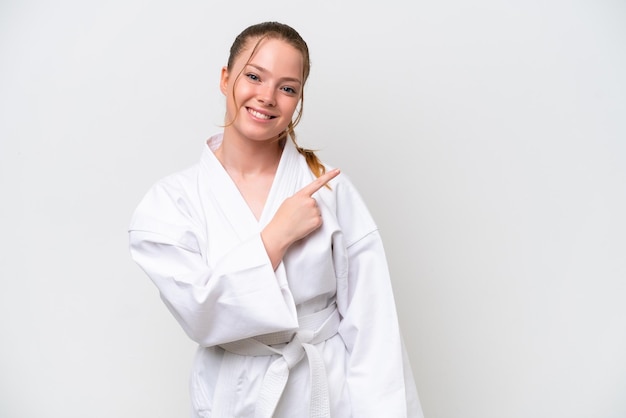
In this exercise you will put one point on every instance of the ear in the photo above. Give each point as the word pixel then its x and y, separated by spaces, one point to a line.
pixel 224 81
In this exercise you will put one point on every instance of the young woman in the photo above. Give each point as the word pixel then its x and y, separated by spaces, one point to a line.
pixel 270 260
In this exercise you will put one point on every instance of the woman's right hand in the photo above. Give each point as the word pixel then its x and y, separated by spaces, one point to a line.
pixel 297 217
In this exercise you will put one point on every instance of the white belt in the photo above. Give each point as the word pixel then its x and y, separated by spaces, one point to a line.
pixel 314 329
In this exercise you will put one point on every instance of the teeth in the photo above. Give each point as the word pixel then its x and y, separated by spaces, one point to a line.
pixel 258 114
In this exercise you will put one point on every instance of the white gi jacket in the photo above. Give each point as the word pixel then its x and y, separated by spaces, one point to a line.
pixel 198 241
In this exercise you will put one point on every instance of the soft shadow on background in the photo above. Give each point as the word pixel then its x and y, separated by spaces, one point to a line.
pixel 488 138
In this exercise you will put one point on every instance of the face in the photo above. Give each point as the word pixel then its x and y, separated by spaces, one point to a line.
pixel 266 90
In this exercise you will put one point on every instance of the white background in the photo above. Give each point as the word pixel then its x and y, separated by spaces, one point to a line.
pixel 488 138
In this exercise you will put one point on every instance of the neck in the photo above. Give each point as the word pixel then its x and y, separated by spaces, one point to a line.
pixel 247 157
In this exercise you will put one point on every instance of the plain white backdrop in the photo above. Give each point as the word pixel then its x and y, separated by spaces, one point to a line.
pixel 488 138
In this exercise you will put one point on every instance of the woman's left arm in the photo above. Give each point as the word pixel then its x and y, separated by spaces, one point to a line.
pixel 379 375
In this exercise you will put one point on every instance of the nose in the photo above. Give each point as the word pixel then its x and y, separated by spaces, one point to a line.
pixel 266 95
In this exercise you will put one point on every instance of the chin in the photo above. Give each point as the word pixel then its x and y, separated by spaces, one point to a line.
pixel 263 136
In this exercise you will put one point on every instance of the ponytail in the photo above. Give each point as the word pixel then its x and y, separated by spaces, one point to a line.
pixel 312 160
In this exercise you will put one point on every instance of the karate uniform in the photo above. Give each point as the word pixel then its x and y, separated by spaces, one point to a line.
pixel 326 336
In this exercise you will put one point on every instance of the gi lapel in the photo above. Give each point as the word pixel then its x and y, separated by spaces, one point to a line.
pixel 220 196
pixel 286 182
pixel 226 212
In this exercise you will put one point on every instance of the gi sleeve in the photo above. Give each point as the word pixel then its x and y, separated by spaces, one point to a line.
pixel 239 297
pixel 379 377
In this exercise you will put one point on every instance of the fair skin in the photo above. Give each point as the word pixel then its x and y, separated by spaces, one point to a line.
pixel 267 93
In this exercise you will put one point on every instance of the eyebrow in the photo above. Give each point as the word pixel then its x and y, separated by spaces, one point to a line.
pixel 264 70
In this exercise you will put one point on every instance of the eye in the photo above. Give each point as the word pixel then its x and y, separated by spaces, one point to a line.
pixel 253 77
pixel 289 90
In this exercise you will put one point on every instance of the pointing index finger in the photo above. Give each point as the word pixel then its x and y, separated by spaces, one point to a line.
pixel 319 182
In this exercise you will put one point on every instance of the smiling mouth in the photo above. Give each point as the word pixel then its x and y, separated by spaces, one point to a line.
pixel 259 115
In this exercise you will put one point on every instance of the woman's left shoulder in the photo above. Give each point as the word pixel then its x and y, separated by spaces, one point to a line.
pixel 345 200
pixel 341 188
